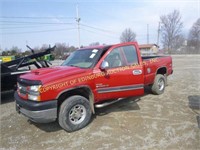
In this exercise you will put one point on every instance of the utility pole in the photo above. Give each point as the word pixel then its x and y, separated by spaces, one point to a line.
pixel 147 33
pixel 158 34
pixel 78 25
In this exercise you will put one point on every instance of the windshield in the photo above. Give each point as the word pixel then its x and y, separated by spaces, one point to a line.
pixel 83 58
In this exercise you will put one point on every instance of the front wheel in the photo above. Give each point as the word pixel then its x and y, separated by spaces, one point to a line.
pixel 159 84
pixel 75 113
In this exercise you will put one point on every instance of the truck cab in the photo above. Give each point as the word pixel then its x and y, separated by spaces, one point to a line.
pixel 89 77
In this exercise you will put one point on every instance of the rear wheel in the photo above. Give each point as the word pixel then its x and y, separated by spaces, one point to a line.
pixel 159 84
pixel 75 113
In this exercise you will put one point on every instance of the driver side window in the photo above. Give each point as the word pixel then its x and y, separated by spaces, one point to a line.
pixel 114 58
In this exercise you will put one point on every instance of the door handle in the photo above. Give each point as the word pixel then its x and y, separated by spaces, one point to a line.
pixel 137 72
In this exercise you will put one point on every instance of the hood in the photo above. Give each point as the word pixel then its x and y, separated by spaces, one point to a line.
pixel 46 75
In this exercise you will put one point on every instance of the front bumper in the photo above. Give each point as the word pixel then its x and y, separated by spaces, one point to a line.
pixel 40 112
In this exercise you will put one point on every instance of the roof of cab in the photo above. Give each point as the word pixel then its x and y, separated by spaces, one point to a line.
pixel 101 47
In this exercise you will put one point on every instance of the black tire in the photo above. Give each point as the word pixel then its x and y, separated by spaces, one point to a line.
pixel 75 113
pixel 159 84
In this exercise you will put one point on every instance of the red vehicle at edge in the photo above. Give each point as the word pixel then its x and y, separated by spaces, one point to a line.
pixel 90 77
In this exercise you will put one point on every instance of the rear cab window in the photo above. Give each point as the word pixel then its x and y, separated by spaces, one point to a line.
pixel 122 56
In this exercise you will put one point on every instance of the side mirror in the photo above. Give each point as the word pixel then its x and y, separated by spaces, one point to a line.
pixel 104 65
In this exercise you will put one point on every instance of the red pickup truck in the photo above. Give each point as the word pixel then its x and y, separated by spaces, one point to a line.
pixel 90 77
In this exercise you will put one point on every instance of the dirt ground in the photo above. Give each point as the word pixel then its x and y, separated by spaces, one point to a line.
pixel 148 122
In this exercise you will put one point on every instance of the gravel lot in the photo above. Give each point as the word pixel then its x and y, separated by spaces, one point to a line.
pixel 148 122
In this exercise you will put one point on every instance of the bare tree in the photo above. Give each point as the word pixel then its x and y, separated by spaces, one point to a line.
pixel 127 36
pixel 179 41
pixel 171 26
pixel 94 44
pixel 62 50
pixel 194 36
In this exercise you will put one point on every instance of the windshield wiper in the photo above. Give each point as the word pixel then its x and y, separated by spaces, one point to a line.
pixel 74 66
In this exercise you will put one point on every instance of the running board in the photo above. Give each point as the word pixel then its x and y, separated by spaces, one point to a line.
pixel 107 103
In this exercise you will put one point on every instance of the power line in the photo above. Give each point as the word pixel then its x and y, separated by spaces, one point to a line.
pixel 78 19
pixel 38 31
pixel 147 33
pixel 14 17
pixel 21 22
pixel 96 28
pixel 27 26
pixel 98 33
pixel 49 23
pixel 158 34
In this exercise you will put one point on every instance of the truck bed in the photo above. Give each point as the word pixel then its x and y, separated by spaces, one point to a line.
pixel 152 64
pixel 151 57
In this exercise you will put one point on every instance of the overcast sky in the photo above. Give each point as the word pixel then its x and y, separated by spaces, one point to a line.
pixel 38 22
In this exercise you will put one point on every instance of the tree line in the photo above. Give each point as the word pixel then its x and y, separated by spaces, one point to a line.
pixel 62 49
pixel 172 38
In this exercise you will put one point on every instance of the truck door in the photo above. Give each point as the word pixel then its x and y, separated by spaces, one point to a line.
pixel 123 75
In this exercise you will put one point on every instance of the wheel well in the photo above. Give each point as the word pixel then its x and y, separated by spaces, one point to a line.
pixel 82 91
pixel 162 71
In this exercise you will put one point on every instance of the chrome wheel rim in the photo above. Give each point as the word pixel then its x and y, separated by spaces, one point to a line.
pixel 77 114
pixel 161 84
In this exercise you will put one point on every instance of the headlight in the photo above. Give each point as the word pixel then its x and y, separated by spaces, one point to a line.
pixel 35 88
pixel 33 92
